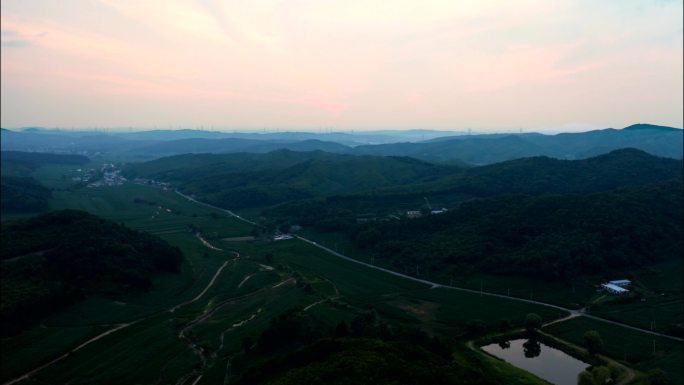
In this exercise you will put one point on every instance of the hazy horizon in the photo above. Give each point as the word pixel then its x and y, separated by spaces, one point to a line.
pixel 321 130
pixel 485 66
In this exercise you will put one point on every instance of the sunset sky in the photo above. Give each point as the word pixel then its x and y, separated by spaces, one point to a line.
pixel 484 65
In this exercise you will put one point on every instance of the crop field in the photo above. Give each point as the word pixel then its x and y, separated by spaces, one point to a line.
pixel 659 285
pixel 161 346
pixel 37 346
pixel 632 346
pixel 146 351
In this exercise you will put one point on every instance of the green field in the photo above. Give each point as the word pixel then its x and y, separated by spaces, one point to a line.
pixel 628 345
pixel 660 307
pixel 244 298
pixel 660 286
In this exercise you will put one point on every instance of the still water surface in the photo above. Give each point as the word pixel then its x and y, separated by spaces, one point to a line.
pixel 550 364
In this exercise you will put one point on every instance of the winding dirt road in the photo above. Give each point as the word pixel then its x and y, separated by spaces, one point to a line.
pixel 119 327
pixel 434 285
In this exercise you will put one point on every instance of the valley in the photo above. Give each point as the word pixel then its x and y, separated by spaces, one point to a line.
pixel 222 307
pixel 319 258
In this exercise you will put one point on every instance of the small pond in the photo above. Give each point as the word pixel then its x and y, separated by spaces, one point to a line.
pixel 541 360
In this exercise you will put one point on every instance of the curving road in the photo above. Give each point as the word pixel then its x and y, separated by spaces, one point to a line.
pixel 434 285
pixel 573 313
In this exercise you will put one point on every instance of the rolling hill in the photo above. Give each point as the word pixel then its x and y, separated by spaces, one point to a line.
pixel 56 259
pixel 484 149
pixel 438 146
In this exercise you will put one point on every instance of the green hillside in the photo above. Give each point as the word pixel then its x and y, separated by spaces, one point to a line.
pixel 546 236
pixel 53 260
pixel 283 176
pixel 23 194
pixel 530 176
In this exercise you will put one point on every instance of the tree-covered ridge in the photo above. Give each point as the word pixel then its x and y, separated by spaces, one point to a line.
pixel 42 158
pixel 246 180
pixel 547 236
pixel 543 175
pixel 186 167
pixel 22 194
pixel 486 149
pixel 529 176
pixel 54 259
pixel 472 149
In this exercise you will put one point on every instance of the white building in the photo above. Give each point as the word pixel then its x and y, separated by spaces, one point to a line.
pixel 614 289
pixel 621 282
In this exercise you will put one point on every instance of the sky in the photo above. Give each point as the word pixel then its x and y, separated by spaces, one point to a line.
pixel 348 64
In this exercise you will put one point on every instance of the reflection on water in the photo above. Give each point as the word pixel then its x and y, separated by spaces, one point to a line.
pixel 542 360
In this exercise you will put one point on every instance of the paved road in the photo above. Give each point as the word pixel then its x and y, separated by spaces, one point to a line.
pixel 433 285
pixel 232 214
pixel 573 313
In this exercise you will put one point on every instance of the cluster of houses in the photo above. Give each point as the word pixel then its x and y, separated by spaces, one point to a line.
pixel 111 176
pixel 618 286
pixel 86 175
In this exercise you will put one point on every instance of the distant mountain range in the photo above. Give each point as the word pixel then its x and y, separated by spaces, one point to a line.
pixel 438 146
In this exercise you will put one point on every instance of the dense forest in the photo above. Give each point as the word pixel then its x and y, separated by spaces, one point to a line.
pixel 23 194
pixel 283 176
pixel 548 236
pixel 528 176
pixel 35 159
pixel 324 183
pixel 55 259
pixel 366 349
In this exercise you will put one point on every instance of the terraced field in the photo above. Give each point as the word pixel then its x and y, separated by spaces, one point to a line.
pixel 190 327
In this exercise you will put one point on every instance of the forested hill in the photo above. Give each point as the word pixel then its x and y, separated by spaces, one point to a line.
pixel 283 176
pixel 186 167
pixel 23 194
pixel 35 159
pixel 548 236
pixel 55 259
pixel 530 176
pixel 543 175
pixel 485 149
